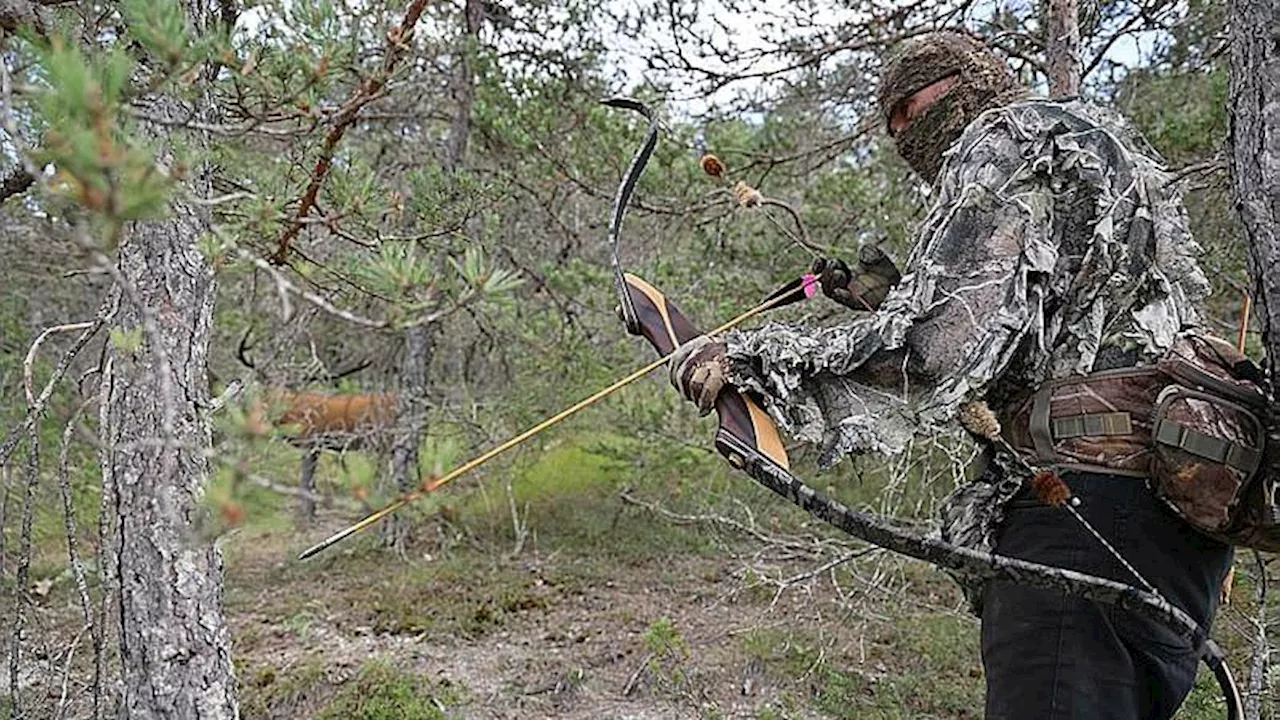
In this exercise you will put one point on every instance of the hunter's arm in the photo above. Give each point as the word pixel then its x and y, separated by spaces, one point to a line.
pixel 973 290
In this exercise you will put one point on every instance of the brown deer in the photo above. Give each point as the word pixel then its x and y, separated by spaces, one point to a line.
pixel 316 421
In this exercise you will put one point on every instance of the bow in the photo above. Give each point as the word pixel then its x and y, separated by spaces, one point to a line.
pixel 749 441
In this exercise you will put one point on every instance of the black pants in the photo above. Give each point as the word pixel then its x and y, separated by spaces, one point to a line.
pixel 1054 656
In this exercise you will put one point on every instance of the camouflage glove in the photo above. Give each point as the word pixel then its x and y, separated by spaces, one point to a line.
pixel 862 287
pixel 699 369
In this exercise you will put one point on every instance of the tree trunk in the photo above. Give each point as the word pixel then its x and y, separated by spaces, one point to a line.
pixel 420 339
pixel 174 643
pixel 1062 43
pixel 411 426
pixel 175 646
pixel 1255 176
pixel 1255 155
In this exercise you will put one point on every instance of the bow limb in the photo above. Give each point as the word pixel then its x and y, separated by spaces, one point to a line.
pixel 626 189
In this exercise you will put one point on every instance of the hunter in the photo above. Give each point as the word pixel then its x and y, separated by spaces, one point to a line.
pixel 1056 248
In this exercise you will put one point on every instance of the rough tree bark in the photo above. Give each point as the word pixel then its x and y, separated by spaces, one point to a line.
pixel 420 339
pixel 1255 176
pixel 175 646
pixel 1255 155
pixel 1062 47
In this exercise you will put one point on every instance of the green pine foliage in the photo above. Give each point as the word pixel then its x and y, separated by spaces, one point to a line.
pixel 506 256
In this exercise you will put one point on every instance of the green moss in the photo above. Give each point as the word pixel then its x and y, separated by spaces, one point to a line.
pixel 378 691
pixel 268 693
pixel 381 692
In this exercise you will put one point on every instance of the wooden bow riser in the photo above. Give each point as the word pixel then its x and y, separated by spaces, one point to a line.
pixel 746 436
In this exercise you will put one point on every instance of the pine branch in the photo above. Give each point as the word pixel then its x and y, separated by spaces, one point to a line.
pixel 369 90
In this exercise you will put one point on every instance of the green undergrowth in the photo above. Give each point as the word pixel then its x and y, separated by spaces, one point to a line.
pixel 376 690
pixel 910 666
pixel 466 574
pixel 462 574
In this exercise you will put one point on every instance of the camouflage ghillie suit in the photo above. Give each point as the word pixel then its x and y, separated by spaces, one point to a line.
pixel 1056 246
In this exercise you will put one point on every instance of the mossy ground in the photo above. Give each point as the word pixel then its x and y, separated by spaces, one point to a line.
pixel 606 610
pixel 595 607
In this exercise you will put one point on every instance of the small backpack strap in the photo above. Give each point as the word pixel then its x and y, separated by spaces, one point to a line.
pixel 1041 435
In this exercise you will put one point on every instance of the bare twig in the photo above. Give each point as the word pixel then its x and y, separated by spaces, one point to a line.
pixel 36 410
pixel 787 583
pixel 73 549
pixel 29 361
pixel 66 672
pixel 294 492
pixel 284 287
pixel 807 546
pixel 233 389
pixel 635 676
pixel 6 475
pixel 22 573
pixel 521 528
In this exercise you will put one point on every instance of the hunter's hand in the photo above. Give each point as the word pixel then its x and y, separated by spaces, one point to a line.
pixel 862 287
pixel 699 370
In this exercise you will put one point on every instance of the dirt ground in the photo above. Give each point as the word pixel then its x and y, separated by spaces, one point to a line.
pixel 557 636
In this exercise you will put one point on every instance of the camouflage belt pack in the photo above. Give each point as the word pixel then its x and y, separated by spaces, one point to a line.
pixel 1196 425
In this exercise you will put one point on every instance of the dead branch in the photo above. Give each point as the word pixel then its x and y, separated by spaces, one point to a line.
pixel 66 673
pixel 294 492
pixel 6 476
pixel 22 574
pixel 284 287
pixel 369 89
pixel 73 556
pixel 785 584
pixel 520 527
pixel 29 360
pixel 35 411
pixel 635 676
pixel 808 546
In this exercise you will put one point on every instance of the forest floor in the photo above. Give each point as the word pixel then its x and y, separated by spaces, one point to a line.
pixel 590 582
pixel 579 596
pixel 570 635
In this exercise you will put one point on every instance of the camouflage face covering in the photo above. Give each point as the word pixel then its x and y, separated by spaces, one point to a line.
pixel 982 82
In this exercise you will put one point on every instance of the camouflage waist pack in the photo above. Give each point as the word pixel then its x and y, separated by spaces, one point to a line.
pixel 1195 425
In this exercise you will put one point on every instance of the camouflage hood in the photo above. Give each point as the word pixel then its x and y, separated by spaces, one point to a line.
pixel 982 82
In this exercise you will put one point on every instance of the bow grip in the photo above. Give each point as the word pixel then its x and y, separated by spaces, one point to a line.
pixel 746 436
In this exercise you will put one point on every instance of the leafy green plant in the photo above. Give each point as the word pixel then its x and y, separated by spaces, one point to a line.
pixel 382 692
